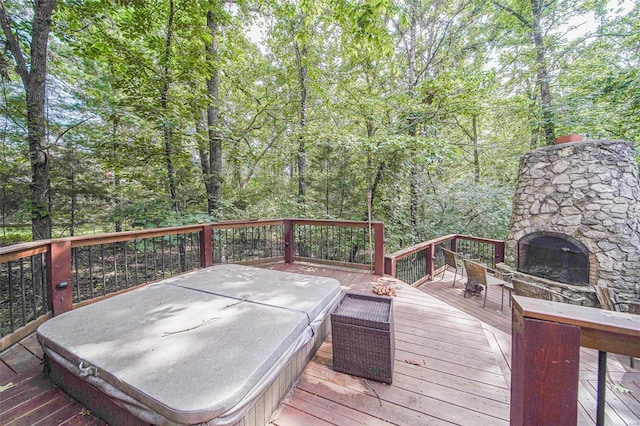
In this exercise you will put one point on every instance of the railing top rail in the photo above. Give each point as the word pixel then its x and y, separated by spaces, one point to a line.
pixel 420 246
pixel 330 222
pixel 245 223
pixel 28 249
pixel 409 250
pixel 601 329
pixel 115 237
pixel 18 251
pixel 479 239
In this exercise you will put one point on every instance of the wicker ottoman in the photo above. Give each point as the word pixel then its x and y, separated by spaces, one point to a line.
pixel 363 338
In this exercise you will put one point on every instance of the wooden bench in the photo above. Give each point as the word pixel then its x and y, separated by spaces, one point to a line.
pixel 477 275
pixel 527 289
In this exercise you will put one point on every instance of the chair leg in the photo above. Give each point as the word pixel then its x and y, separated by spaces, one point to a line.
pixel 632 361
pixel 443 272
pixel 455 274
pixel 486 290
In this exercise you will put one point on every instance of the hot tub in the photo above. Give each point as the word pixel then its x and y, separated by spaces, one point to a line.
pixel 201 348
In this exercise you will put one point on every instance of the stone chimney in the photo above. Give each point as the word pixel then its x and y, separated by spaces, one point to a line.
pixel 576 217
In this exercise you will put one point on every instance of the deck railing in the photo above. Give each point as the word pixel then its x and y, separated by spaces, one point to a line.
pixel 420 262
pixel 545 357
pixel 23 290
pixel 50 277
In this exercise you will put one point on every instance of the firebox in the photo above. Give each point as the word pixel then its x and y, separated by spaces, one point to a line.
pixel 554 256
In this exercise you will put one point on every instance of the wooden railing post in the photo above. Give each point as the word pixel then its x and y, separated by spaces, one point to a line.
pixel 454 243
pixel 545 361
pixel 390 266
pixel 431 265
pixel 59 285
pixel 288 240
pixel 499 252
pixel 378 268
pixel 206 251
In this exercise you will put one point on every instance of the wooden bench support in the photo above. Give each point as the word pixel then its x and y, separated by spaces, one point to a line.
pixel 545 372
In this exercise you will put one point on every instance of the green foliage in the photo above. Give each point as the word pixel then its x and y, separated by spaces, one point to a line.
pixel 10 238
pixel 410 100
pixel 467 208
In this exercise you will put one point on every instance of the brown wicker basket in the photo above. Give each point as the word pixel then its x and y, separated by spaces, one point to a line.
pixel 363 338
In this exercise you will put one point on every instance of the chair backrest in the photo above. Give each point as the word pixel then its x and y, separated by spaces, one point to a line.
pixel 475 272
pixel 527 289
pixel 608 298
pixel 634 307
pixel 449 258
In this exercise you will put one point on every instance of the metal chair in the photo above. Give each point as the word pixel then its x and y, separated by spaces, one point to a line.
pixel 478 277
pixel 451 261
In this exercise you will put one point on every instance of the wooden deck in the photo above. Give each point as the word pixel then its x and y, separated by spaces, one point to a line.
pixel 451 367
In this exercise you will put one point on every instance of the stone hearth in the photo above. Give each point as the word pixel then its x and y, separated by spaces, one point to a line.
pixel 576 218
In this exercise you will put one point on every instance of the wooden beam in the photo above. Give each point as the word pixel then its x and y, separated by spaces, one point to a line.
pixel 379 248
pixel 59 284
pixel 288 240
pixel 206 250
pixel 545 363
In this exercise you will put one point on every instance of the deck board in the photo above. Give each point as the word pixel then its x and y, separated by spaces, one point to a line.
pixel 462 376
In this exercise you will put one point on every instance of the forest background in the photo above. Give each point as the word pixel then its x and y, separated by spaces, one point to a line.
pixel 117 115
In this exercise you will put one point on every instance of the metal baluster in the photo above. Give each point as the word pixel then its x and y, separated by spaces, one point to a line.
pixel 75 253
pixel 23 296
pixel 171 237
pixel 126 265
pixel 162 264
pixel 602 387
pixel 91 288
pixel 135 259
pixel 115 265
pixel 144 255
pixel 12 326
pixel 34 287
pixel 43 289
pixel 104 278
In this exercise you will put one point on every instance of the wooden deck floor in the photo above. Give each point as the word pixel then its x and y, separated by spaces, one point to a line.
pixel 451 367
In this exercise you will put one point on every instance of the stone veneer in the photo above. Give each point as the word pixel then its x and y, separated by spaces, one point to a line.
pixel 590 192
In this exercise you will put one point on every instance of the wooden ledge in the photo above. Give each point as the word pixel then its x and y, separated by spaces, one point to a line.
pixel 600 329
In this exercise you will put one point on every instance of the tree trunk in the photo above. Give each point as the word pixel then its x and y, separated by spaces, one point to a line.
pixel 203 151
pixel 534 125
pixel 34 82
pixel 542 75
pixel 476 148
pixel 214 177
pixel 164 101
pixel 116 176
pixel 411 77
pixel 302 123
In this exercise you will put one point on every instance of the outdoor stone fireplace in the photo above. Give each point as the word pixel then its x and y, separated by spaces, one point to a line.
pixel 576 219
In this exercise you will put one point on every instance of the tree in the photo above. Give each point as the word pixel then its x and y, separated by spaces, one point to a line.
pixel 212 163
pixel 32 69
pixel 542 23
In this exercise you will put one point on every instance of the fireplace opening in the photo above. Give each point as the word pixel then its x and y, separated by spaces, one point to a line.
pixel 555 257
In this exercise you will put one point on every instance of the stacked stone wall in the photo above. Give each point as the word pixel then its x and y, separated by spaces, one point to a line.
pixel 591 192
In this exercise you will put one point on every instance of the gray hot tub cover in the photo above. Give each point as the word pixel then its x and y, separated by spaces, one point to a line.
pixel 198 348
